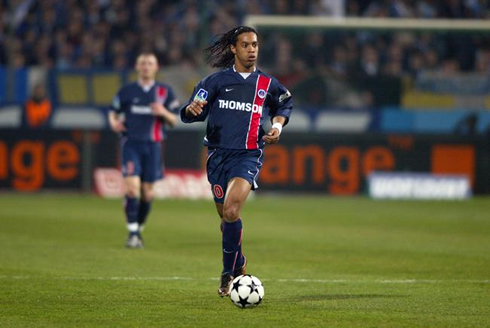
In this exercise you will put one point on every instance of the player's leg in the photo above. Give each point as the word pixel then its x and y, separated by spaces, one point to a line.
pixel 147 195
pixel 219 208
pixel 244 170
pixel 242 260
pixel 152 171
pixel 237 192
pixel 131 169
pixel 240 266
pixel 132 186
pixel 218 179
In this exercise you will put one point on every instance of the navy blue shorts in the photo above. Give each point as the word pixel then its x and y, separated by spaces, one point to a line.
pixel 141 158
pixel 225 164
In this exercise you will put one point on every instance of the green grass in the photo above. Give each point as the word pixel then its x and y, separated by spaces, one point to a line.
pixel 373 263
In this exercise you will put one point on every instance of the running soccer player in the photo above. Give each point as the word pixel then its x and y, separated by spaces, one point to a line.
pixel 236 101
pixel 139 112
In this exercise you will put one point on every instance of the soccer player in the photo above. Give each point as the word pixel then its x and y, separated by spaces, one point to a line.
pixel 139 112
pixel 236 101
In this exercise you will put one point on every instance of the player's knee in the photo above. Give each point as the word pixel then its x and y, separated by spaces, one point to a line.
pixel 231 213
pixel 133 193
pixel 220 211
pixel 148 196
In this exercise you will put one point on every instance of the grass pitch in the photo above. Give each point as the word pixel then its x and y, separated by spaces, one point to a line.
pixel 324 262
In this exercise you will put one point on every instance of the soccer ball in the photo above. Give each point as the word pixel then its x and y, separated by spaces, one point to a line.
pixel 246 291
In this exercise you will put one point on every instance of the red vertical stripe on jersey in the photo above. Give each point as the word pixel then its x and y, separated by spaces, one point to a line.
pixel 157 130
pixel 263 83
pixel 160 97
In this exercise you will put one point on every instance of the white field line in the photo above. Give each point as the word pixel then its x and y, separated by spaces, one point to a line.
pixel 298 280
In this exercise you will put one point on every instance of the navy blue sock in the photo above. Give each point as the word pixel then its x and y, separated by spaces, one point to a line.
pixel 144 209
pixel 240 259
pixel 232 245
pixel 131 208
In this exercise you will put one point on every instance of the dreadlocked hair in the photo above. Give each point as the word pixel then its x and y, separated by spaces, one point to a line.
pixel 219 53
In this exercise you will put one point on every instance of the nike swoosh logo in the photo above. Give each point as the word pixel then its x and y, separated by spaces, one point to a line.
pixel 250 172
pixel 228 90
pixel 225 251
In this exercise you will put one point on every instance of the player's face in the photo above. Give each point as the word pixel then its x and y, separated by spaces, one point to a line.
pixel 147 67
pixel 246 49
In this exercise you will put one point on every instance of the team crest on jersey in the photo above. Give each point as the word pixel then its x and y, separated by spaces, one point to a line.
pixel 201 95
pixel 284 96
pixel 262 93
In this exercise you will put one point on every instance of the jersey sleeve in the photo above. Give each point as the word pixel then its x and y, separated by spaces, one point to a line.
pixel 116 103
pixel 172 103
pixel 204 90
pixel 281 102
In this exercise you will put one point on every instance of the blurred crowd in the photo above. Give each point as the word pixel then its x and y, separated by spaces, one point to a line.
pixel 79 34
pixel 373 63
pixel 377 53
pixel 463 9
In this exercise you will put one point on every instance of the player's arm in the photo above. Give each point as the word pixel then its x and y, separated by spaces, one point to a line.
pixel 162 111
pixel 197 108
pixel 115 121
pixel 272 136
pixel 169 110
pixel 281 105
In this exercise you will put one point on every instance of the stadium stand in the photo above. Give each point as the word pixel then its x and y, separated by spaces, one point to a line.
pixel 87 49
pixel 109 34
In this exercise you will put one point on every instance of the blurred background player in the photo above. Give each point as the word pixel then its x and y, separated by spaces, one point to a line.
pixel 236 101
pixel 139 112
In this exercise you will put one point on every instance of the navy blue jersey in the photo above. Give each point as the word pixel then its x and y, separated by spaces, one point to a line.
pixel 134 102
pixel 237 107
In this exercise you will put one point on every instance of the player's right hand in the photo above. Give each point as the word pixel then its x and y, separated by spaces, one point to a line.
pixel 195 108
pixel 118 127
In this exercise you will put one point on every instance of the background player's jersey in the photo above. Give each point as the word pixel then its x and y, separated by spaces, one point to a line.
pixel 134 101
pixel 237 107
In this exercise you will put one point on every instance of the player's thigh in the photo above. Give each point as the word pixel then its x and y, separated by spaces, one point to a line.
pixel 131 159
pixel 148 191
pixel 247 166
pixel 237 192
pixel 132 186
pixel 217 173
pixel 152 164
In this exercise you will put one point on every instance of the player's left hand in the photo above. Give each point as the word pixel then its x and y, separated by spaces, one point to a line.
pixel 272 137
pixel 158 109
